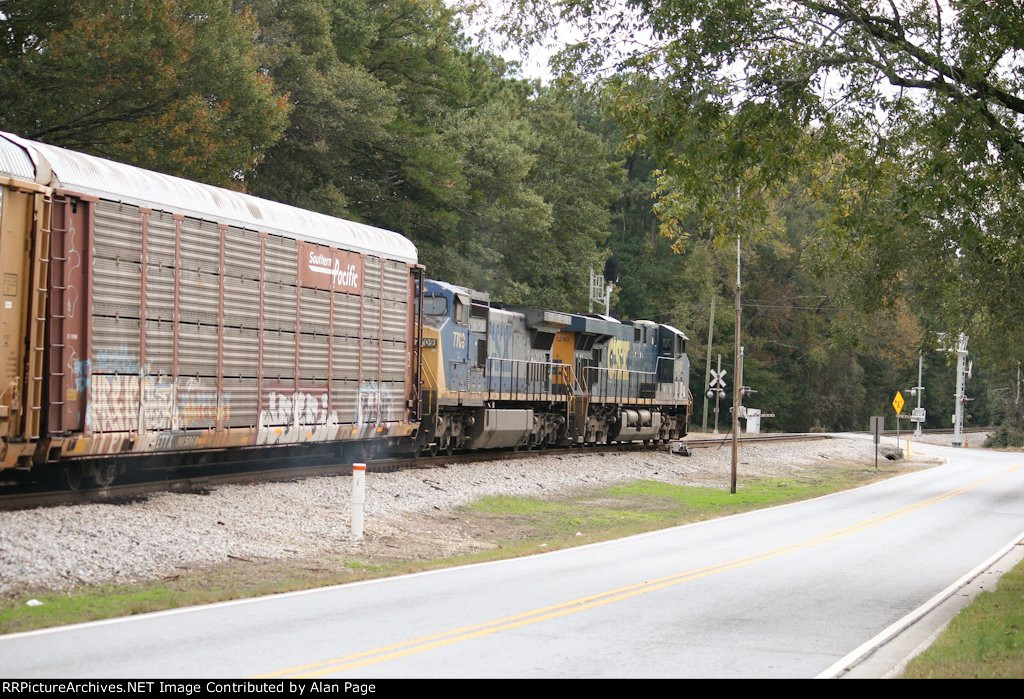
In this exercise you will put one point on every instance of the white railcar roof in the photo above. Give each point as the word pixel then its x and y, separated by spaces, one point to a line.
pixel 15 161
pixel 109 180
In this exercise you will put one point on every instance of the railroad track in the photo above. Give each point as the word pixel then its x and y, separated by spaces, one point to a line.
pixel 203 483
pixel 937 430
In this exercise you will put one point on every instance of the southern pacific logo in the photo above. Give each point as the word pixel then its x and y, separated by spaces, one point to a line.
pixel 322 264
pixel 325 268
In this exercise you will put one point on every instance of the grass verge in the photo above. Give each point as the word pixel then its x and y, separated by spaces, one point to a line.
pixel 505 527
pixel 985 640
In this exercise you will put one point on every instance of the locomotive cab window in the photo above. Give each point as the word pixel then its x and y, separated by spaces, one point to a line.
pixel 461 314
pixel 434 305
pixel 668 343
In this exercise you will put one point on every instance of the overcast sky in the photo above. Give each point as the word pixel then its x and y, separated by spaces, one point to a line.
pixel 535 63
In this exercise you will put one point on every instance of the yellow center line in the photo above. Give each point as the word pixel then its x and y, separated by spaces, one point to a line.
pixel 466 633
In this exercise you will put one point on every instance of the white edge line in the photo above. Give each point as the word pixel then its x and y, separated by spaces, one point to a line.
pixel 853 658
pixel 437 571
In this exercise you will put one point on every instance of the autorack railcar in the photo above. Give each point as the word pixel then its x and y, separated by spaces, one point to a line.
pixel 145 314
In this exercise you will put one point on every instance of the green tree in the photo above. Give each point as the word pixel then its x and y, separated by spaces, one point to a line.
pixel 342 118
pixel 913 109
pixel 171 85
pixel 578 176
pixel 399 122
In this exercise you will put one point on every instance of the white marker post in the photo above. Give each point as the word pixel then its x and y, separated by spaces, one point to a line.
pixel 358 499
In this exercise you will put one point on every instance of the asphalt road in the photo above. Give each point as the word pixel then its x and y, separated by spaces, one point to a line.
pixel 784 592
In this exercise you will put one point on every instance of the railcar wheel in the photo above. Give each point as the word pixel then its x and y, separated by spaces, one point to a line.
pixel 434 449
pixel 449 445
pixel 103 476
pixel 70 476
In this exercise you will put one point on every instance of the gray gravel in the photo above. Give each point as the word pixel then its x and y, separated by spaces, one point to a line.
pixel 975 440
pixel 59 548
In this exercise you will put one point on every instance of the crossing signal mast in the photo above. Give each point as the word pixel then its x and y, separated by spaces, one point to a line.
pixel 963 372
pixel 716 390
pixel 601 285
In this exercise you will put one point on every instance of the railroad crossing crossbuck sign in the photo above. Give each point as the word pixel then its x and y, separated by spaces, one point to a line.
pixel 718 378
pixel 897 402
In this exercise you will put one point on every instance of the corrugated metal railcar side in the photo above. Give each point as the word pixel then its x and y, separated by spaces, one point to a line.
pixel 173 327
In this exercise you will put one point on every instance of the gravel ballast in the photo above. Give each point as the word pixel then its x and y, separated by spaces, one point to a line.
pixel 63 547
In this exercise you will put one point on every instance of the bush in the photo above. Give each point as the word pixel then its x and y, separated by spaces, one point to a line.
pixel 1005 436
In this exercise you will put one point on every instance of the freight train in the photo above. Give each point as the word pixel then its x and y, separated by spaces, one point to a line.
pixel 149 320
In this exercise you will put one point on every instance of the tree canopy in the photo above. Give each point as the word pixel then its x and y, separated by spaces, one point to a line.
pixel 869 154
pixel 910 112
pixel 173 85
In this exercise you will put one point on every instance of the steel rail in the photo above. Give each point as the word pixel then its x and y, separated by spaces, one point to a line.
pixel 202 483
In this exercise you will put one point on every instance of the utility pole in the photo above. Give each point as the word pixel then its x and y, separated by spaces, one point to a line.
pixel 919 390
pixel 718 393
pixel 962 372
pixel 707 371
pixel 737 379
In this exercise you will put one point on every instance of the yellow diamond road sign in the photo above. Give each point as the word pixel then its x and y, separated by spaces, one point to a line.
pixel 897 402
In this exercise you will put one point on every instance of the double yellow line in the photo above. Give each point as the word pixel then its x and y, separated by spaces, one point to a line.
pixel 468 633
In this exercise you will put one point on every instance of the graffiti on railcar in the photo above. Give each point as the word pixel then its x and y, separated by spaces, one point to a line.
pixel 296 415
pixel 113 404
pixel 158 404
pixel 199 405
pixel 121 360
pixel 116 361
pixel 79 369
pixel 72 263
pixel 376 404
pixel 114 380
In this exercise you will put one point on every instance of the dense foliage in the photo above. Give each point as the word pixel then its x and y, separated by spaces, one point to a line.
pixel 171 86
pixel 867 213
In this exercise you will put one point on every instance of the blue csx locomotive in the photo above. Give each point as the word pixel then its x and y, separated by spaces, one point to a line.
pixel 505 376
